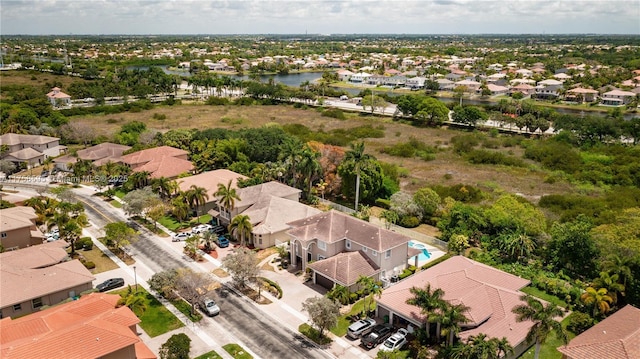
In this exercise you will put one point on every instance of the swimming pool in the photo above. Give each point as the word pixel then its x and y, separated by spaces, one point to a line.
pixel 425 252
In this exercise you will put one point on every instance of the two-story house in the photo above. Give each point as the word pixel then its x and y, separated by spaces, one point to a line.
pixel 163 161
pixel 31 150
pixel 18 228
pixel 339 248
pixel 617 97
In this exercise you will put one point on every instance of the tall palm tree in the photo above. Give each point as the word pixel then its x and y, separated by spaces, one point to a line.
pixel 309 167
pixel 164 187
pixel 427 300
pixel 227 197
pixel 139 180
pixel 543 318
pixel 503 346
pixel 619 265
pixel 196 197
pixel 611 283
pixel 180 208
pixel 600 299
pixel 450 317
pixel 359 158
pixel 136 301
pixel 291 151
pixel 366 284
pixel 240 227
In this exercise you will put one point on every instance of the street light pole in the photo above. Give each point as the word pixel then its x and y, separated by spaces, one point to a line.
pixel 135 278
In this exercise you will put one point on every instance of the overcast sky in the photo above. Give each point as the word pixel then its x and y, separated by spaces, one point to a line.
pixel 44 17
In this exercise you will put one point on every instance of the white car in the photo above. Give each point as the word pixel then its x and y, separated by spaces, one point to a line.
pixel 396 341
pixel 360 328
pixel 180 237
pixel 201 228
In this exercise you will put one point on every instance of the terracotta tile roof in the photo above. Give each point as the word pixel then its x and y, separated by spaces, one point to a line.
pixel 56 93
pixel 91 327
pixel 616 337
pixel 209 181
pixel 14 139
pixel 345 268
pixel 334 226
pixel 249 195
pixel 582 90
pixel 160 161
pixel 30 273
pixel 17 217
pixel 489 293
pixel 104 152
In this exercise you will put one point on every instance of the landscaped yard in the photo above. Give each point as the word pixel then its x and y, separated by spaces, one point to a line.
pixel 102 261
pixel 344 320
pixel 210 355
pixel 171 223
pixel 157 319
pixel 115 203
pixel 313 334
pixel 548 349
pixel 185 308
pixel 544 296
pixel 237 351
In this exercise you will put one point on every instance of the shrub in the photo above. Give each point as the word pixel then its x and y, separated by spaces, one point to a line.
pixel 493 158
pixel 465 143
pixel 410 221
pixel 89 265
pixel 334 113
pixel 159 116
pixel 84 241
pixel 273 285
pixel 217 101
pixel 176 347
pixel 243 101
pixel 460 192
pixel 579 322
pixel 383 203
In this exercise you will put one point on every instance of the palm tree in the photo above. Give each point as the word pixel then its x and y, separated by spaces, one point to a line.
pixel 503 346
pixel 359 158
pixel 208 239
pixel 139 180
pixel 180 209
pixel 309 167
pixel 196 197
pixel 291 151
pixel 611 283
pixel 390 217
pixel 164 187
pixel 599 298
pixel 519 245
pixel 543 318
pixel 481 347
pixel 450 317
pixel 427 300
pixel 339 293
pixel 136 301
pixel 618 265
pixel 227 197
pixel 366 284
pixel 240 227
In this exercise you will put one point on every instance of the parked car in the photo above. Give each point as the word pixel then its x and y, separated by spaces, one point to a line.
pixel 210 307
pixel 396 341
pixel 44 174
pixel 378 335
pixel 110 284
pixel 180 237
pixel 217 230
pixel 201 228
pixel 222 242
pixel 52 236
pixel 360 328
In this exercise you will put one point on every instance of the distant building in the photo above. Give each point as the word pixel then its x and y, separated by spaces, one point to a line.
pixel 98 155
pixel 163 161
pixel 31 150
pixel 58 98
pixel 18 228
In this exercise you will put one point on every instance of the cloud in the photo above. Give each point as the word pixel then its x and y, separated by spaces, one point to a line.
pixel 351 16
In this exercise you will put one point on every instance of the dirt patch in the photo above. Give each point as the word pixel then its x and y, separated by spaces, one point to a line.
pixel 220 272
pixel 267 266
pixel 254 295
pixel 264 253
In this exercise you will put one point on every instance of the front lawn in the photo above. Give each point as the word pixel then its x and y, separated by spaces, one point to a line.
pixel 210 355
pixel 548 349
pixel 237 351
pixel 185 308
pixel 102 261
pixel 120 193
pixel 116 204
pixel 344 321
pixel 313 334
pixel 173 224
pixel 157 319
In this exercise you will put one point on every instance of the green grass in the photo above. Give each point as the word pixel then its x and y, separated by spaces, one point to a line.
pixel 185 308
pixel 544 296
pixel 210 355
pixel 116 204
pixel 157 319
pixel 237 351
pixel 313 334
pixel 344 321
pixel 120 193
pixel 173 224
pixel 548 349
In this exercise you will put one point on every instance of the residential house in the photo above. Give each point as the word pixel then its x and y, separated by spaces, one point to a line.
pixel 376 80
pixel 490 294
pixel 445 84
pixel 209 181
pixel 455 76
pixel 359 77
pixel 344 75
pixel 98 155
pixel 580 94
pixel 31 150
pixel 548 89
pixel 396 81
pixel 18 228
pixel 470 85
pixel 561 76
pixel 523 88
pixel 524 72
pixel 38 276
pixel 617 97
pixel 58 98
pixel 163 161
pixel 497 90
pixel 250 195
pixel 92 327
pixel 416 82
pixel 339 248
pixel 616 337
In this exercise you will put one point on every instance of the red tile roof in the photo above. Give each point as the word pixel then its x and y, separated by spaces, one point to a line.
pixel 91 327
pixel 160 161
pixel 489 293
pixel 617 337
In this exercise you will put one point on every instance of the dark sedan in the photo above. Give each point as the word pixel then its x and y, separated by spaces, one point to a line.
pixel 109 284
pixel 378 335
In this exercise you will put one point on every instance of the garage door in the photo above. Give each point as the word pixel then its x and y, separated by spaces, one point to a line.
pixel 324 281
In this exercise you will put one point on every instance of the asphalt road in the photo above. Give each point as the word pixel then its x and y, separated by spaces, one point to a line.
pixel 259 332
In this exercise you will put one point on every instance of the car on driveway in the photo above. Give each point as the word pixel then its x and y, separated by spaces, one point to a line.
pixel 222 242
pixel 360 328
pixel 396 341
pixel 378 335
pixel 217 230
pixel 110 284
pixel 210 307
pixel 180 237
pixel 201 228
